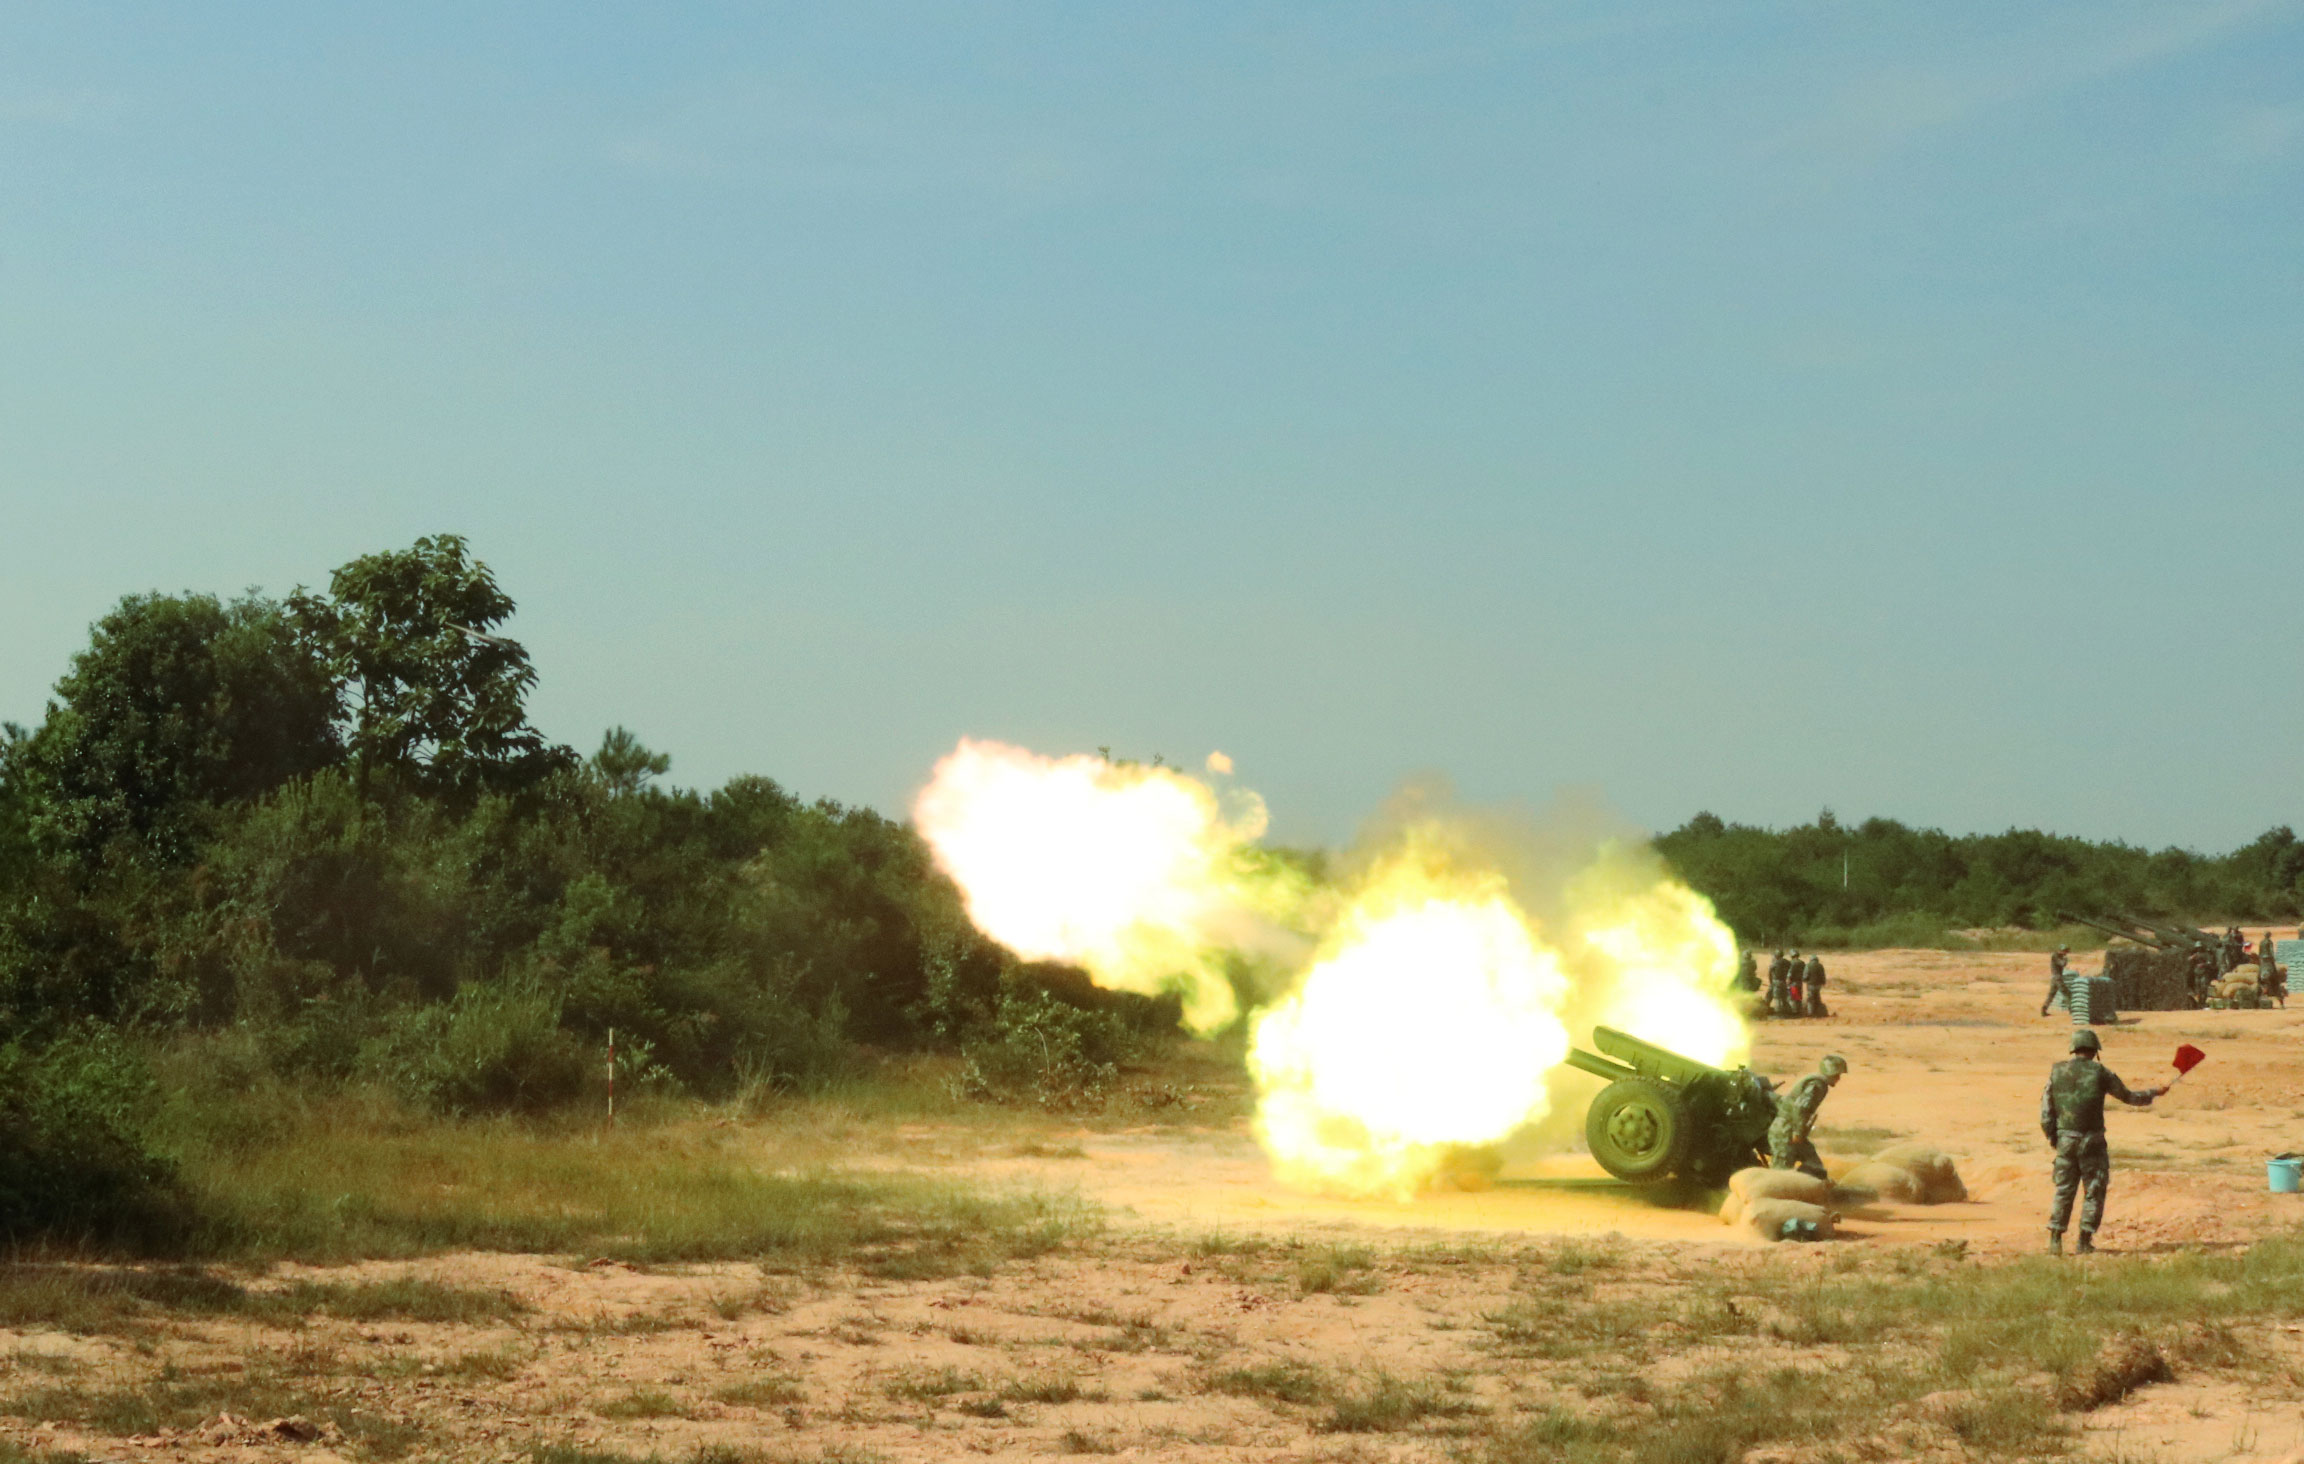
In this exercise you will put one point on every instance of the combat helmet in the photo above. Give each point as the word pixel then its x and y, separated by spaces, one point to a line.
pixel 1833 1065
pixel 2086 1040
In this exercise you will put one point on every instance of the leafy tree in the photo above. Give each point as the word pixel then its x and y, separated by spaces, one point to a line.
pixel 434 698
pixel 179 704
pixel 626 766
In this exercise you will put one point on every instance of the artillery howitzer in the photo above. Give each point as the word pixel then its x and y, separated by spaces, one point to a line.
pixel 2155 971
pixel 1663 1115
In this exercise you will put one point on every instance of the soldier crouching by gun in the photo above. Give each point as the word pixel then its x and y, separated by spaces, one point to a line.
pixel 1788 1145
pixel 2072 1116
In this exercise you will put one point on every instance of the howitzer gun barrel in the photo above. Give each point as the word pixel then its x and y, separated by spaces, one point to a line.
pixel 2121 926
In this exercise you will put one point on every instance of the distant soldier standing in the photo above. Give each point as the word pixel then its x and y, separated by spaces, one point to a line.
pixel 2072 1116
pixel 1747 977
pixel 1795 987
pixel 1815 1006
pixel 2199 975
pixel 2057 961
pixel 1777 974
pixel 1788 1145
pixel 2228 954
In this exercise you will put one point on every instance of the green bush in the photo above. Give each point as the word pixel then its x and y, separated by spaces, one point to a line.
pixel 75 1161
pixel 1039 1049
pixel 496 1048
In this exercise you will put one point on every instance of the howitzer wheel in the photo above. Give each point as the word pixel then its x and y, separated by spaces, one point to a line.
pixel 1637 1130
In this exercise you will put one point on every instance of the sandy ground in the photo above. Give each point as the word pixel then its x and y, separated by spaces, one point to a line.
pixel 1117 1346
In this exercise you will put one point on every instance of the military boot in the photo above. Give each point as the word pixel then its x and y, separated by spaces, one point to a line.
pixel 2087 1243
pixel 2055 1242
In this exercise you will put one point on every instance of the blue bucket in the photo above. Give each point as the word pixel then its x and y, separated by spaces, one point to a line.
pixel 2286 1174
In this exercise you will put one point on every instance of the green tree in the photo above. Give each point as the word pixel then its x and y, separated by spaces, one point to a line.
pixel 433 697
pixel 625 765
pixel 180 703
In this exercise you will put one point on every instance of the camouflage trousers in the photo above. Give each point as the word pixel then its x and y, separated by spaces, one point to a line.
pixel 2082 1164
pixel 1786 1152
pixel 1777 1002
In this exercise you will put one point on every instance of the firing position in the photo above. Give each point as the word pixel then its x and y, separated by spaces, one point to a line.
pixel 1788 1145
pixel 2072 1116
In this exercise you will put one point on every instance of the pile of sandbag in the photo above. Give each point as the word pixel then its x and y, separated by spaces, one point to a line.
pixel 2238 987
pixel 1908 1174
pixel 1779 1204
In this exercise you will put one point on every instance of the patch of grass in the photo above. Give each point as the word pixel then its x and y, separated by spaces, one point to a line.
pixel 768 1392
pixel 162 1402
pixel 642 1403
pixel 1338 1270
pixel 493 1364
pixel 984 1408
pixel 173 1401
pixel 1383 1403
pixel 89 1298
pixel 734 1306
pixel 354 1177
pixel 1076 1442
pixel 70 1297
pixel 1278 1382
pixel 926 1385
pixel 1036 1149
pixel 405 1299
pixel 1575 1257
pixel 1051 1387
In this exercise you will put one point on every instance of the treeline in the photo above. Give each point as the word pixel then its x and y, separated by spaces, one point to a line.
pixel 1881 882
pixel 321 833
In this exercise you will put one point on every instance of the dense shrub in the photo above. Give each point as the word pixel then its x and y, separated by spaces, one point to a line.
pixel 74 1158
pixel 496 1048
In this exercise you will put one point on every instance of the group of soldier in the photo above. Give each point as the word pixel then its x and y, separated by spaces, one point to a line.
pixel 2071 1118
pixel 1795 987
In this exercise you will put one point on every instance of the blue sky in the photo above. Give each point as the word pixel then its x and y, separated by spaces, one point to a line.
pixel 1745 407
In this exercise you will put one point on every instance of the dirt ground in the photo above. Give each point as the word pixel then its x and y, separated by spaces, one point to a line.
pixel 1200 1325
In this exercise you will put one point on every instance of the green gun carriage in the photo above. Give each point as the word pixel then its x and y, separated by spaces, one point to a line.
pixel 1664 1116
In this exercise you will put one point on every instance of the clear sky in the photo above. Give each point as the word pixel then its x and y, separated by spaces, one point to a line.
pixel 1738 406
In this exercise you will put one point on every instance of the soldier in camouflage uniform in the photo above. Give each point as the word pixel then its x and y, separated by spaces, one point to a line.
pixel 2072 1116
pixel 2199 976
pixel 1815 1007
pixel 2057 961
pixel 1747 973
pixel 1776 974
pixel 1788 1146
pixel 1795 986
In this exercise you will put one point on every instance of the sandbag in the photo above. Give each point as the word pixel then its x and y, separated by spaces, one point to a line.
pixel 1889 1182
pixel 1778 1184
pixel 1940 1182
pixel 1772 1219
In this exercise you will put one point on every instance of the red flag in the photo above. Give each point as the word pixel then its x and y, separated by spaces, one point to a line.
pixel 2188 1057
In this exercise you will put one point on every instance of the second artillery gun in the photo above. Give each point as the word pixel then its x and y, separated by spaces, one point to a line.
pixel 2154 972
pixel 1664 1116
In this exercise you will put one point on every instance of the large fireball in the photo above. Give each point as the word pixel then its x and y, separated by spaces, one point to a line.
pixel 1133 873
pixel 1426 1013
